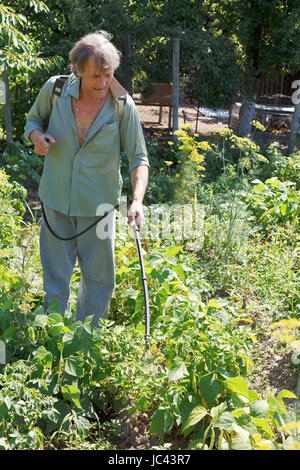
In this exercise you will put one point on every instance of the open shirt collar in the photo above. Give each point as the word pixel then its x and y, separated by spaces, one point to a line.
pixel 115 87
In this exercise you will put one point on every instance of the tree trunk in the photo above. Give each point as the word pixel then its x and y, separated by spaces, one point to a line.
pixel 7 108
pixel 176 53
pixel 294 124
pixel 246 116
pixel 127 81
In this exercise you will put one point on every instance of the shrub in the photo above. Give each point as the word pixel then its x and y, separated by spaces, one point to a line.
pixel 12 198
pixel 274 202
pixel 21 162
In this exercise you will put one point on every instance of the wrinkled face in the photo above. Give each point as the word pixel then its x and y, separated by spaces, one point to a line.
pixel 95 80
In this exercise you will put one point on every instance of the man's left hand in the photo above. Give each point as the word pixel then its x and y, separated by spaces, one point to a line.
pixel 136 215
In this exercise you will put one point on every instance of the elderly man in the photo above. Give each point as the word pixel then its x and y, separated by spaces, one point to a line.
pixel 82 172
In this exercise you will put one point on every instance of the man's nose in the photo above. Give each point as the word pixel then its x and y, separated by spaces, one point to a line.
pixel 102 82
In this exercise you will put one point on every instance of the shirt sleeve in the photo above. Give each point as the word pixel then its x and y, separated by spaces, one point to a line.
pixel 132 136
pixel 39 114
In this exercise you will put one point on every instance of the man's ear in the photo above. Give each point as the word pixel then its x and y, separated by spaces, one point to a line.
pixel 77 71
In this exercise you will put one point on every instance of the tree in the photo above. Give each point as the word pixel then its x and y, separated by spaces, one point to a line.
pixel 211 69
pixel 17 51
pixel 267 36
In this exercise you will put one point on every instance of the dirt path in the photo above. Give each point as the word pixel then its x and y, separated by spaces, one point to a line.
pixel 149 116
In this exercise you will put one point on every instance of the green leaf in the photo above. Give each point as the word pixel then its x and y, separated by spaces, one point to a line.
pixel 283 208
pixel 157 423
pixel 253 395
pixel 142 403
pixel 82 425
pixel 55 319
pixel 195 416
pixel 178 370
pixel 31 334
pixel 259 408
pixel 216 411
pixel 286 394
pixel 71 393
pixel 9 332
pixel 246 422
pixel 180 272
pixel 241 441
pixel 3 410
pixel 58 330
pixel 71 343
pixel 225 421
pixel 186 408
pixel 40 321
pixel 168 421
pixel 213 303
pixel 225 374
pixel 139 308
pixel 44 357
pixel 74 366
pixel 209 389
pixel 237 385
pixel 263 425
pixel 173 251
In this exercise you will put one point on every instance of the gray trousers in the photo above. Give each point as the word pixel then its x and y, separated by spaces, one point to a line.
pixel 95 257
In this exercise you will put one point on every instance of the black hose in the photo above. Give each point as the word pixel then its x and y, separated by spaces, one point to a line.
pixel 83 231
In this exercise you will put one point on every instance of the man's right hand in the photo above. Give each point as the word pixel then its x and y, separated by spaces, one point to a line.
pixel 41 142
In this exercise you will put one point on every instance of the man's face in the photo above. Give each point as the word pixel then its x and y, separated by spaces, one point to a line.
pixel 95 80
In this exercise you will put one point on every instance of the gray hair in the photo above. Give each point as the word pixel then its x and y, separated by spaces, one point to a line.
pixel 96 45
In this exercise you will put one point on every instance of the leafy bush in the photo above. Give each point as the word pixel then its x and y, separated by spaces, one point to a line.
pixel 160 186
pixel 274 201
pixel 285 168
pixel 22 405
pixel 12 198
pixel 21 162
pixel 239 154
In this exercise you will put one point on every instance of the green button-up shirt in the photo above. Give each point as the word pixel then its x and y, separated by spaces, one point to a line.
pixel 76 180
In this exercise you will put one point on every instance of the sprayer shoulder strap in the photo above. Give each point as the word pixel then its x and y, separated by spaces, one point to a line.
pixel 58 87
pixel 121 105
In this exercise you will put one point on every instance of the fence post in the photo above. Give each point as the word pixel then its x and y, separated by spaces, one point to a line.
pixel 176 53
pixel 295 119
pixel 7 108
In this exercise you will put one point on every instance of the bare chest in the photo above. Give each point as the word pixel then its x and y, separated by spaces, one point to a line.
pixel 84 116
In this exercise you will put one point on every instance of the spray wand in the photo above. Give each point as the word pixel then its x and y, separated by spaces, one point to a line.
pixel 145 287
